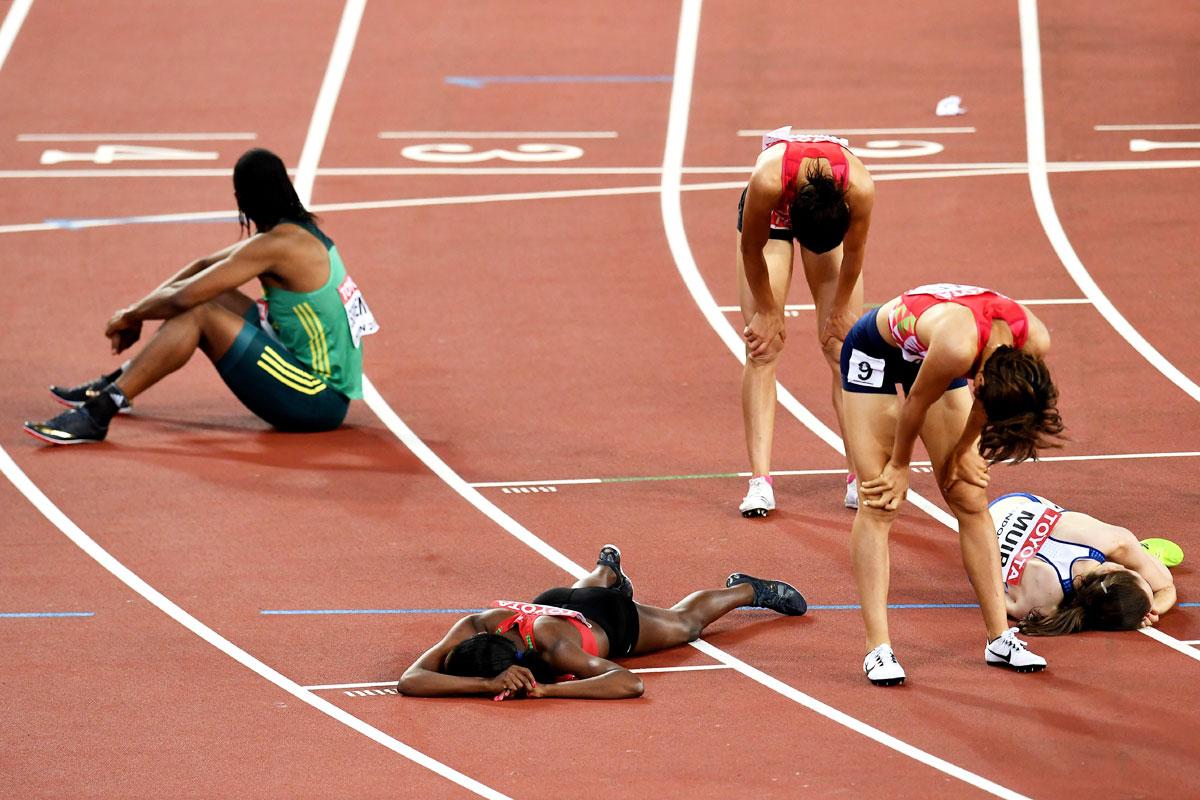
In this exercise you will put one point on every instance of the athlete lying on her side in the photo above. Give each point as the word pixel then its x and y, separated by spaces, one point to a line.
pixel 1065 571
pixel 560 645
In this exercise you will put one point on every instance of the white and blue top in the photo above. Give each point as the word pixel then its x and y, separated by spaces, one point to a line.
pixel 1023 523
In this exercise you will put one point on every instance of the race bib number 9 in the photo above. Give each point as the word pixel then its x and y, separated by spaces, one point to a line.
pixel 358 315
pixel 865 370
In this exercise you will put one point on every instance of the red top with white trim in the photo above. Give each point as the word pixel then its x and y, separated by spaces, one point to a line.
pixel 985 305
pixel 527 614
pixel 798 147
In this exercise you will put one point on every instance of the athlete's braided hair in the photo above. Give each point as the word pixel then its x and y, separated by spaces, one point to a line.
pixel 265 195
pixel 1020 401
pixel 1102 601
pixel 486 655
pixel 820 216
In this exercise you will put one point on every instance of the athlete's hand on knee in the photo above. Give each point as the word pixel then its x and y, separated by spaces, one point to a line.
pixel 838 326
pixel 887 490
pixel 967 466
pixel 122 331
pixel 765 331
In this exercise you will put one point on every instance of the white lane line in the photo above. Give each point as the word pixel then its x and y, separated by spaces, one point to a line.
pixel 498 134
pixel 908 171
pixel 310 156
pixel 1146 145
pixel 863 131
pixel 134 137
pixel 811 472
pixel 1166 127
pixel 1172 642
pixel 331 87
pixel 1053 301
pixel 677 125
pixel 1039 183
pixel 12 26
pixel 383 684
pixel 73 532
pixel 48 509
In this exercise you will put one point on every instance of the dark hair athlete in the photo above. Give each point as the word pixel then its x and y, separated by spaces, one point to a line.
pixel 564 642
pixel 931 340
pixel 294 358
pixel 815 190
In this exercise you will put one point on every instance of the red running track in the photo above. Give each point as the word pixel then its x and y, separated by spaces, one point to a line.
pixel 551 339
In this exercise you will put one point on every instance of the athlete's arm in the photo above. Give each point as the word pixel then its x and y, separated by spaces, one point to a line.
pixel 949 357
pixel 199 264
pixel 244 262
pixel 842 317
pixel 1129 553
pixel 235 265
pixel 767 323
pixel 425 678
pixel 596 678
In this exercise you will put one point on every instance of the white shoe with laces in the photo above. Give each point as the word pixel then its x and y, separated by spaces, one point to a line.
pixel 759 499
pixel 1006 650
pixel 851 500
pixel 882 668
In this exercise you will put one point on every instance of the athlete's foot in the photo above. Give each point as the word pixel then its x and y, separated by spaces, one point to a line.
pixel 760 498
pixel 76 396
pixel 882 668
pixel 851 500
pixel 775 595
pixel 76 426
pixel 610 556
pixel 1006 650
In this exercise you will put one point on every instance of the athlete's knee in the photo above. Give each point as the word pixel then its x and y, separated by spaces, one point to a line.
pixel 966 498
pixel 879 519
pixel 764 360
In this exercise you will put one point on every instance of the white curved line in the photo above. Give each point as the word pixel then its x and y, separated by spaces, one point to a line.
pixel 102 557
pixel 681 92
pixel 1039 184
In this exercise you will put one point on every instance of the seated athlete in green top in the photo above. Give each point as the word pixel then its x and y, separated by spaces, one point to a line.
pixel 294 358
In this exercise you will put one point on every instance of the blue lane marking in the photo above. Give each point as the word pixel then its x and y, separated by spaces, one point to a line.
pixel 312 611
pixel 37 614
pixel 480 81
pixel 92 222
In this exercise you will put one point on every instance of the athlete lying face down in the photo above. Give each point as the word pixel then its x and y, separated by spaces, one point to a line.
pixel 564 643
pixel 1065 571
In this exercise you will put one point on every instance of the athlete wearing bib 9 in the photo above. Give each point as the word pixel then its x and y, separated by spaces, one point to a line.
pixel 932 341
pixel 1065 571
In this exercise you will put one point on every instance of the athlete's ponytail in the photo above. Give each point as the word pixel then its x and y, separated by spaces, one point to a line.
pixel 820 216
pixel 1102 601
pixel 1020 401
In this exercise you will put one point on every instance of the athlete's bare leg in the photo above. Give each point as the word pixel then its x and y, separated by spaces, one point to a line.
pixel 870 434
pixel 211 327
pixel 758 377
pixel 944 423
pixel 821 273
pixel 602 577
pixel 661 628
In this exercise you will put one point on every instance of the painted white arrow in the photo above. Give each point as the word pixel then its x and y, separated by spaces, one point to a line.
pixel 1146 145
